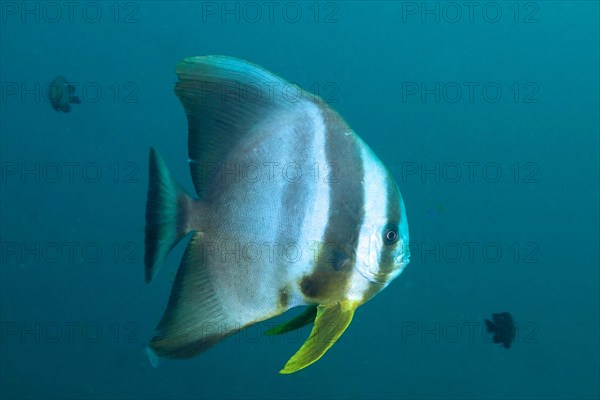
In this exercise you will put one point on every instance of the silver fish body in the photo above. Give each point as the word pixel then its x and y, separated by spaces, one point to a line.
pixel 293 209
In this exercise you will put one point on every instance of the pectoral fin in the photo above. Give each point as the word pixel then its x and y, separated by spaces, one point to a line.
pixel 305 318
pixel 331 321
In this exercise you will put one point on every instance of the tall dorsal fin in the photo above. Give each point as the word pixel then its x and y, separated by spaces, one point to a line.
pixel 224 99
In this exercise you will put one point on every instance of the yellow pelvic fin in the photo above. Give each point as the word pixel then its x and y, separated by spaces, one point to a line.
pixel 331 321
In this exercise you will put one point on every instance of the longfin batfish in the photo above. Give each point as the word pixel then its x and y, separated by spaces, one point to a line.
pixel 292 209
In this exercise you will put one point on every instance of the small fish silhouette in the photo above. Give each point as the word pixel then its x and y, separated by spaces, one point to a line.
pixel 503 328
pixel 61 95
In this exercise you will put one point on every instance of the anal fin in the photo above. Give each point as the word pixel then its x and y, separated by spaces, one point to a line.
pixel 195 319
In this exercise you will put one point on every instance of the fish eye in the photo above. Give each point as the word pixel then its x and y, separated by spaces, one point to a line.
pixel 390 234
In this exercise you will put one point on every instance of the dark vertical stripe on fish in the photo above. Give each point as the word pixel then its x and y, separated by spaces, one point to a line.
pixel 337 253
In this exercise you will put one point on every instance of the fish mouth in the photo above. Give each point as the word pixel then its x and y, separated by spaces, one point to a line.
pixel 400 263
pixel 403 259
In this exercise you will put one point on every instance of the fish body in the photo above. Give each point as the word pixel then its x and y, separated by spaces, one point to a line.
pixel 502 327
pixel 61 95
pixel 292 209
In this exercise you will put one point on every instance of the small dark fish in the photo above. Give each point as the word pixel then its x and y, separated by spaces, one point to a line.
pixel 61 95
pixel 503 328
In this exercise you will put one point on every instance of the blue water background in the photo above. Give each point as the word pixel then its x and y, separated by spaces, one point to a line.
pixel 412 340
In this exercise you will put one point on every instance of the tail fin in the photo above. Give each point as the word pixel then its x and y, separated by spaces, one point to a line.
pixel 166 215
